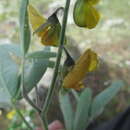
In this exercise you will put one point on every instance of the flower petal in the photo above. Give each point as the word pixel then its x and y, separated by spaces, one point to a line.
pixel 92 16
pixel 86 63
pixel 94 2
pixel 47 29
pixel 36 20
pixel 51 36
pixel 85 15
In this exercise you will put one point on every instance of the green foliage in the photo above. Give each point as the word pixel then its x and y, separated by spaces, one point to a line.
pixel 87 108
pixel 17 124
pixel 24 26
pixel 34 72
pixel 104 98
pixel 82 110
pixel 34 66
pixel 41 55
pixel 10 66
pixel 8 72
pixel 67 110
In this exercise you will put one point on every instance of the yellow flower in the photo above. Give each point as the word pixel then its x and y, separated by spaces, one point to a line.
pixel 86 63
pixel 11 114
pixel 85 15
pixel 47 29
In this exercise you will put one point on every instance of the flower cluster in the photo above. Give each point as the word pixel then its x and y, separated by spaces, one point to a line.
pixel 48 29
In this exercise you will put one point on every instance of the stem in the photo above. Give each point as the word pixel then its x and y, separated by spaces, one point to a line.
pixel 37 95
pixel 22 73
pixel 44 120
pixel 30 101
pixel 21 116
pixel 61 43
pixel 75 95
pixel 25 32
pixel 24 89
pixel 22 85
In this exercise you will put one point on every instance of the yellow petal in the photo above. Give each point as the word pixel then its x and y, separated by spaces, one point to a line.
pixel 79 86
pixel 86 63
pixel 35 18
pixel 51 35
pixel 92 16
pixel 94 2
pixel 85 15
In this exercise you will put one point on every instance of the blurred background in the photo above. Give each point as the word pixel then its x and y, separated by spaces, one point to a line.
pixel 110 39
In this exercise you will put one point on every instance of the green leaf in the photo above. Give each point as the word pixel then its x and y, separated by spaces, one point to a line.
pixel 8 72
pixel 67 111
pixel 36 65
pixel 34 71
pixel 51 64
pixel 10 61
pixel 24 26
pixel 5 99
pixel 82 110
pixel 41 54
pixel 47 48
pixel 103 98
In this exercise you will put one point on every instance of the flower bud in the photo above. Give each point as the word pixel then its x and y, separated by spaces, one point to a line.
pixel 85 15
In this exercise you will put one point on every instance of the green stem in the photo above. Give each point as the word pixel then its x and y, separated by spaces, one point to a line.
pixel 22 73
pixel 22 85
pixel 24 89
pixel 44 120
pixel 75 95
pixel 21 115
pixel 61 43
pixel 26 96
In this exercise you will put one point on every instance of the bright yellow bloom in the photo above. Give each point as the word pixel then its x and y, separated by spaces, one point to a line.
pixel 11 114
pixel 47 29
pixel 86 63
pixel 85 14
